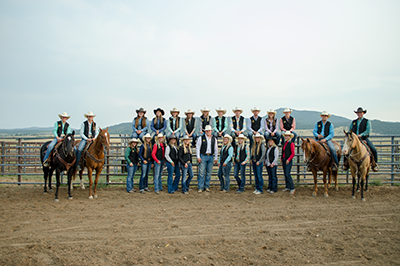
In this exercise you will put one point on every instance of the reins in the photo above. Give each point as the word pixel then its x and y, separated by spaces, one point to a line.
pixel 358 162
pixel 67 165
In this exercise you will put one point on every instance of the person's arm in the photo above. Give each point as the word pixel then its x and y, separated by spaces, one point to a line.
pixel 367 129
pixel 276 125
pixel 169 129
pixel 315 130
pixel 281 124
pixel 180 125
pixel 261 125
pixel 247 149
pixel 127 152
pixel 291 151
pixel 141 152
pixel 249 125
pixel 55 129
pixel 262 159
pixel 82 131
pixel 266 127
pixel 167 151
pixel 134 129
pixel 293 125
pixel 153 153
pixel 225 125
pixel 230 155
pixel 195 125
pixel 276 153
pixel 164 125
pixel 198 145
pixel 266 162
pixel 331 133
pixel 152 126
pixel 215 149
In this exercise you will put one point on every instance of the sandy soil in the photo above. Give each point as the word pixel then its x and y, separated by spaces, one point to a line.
pixel 208 228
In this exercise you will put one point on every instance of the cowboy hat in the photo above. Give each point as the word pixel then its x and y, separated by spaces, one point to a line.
pixel 208 127
pixel 141 110
pixel 255 109
pixel 288 133
pixel 189 112
pixel 64 114
pixel 229 138
pixel 133 140
pixel 159 109
pixel 360 110
pixel 147 136
pixel 272 111
pixel 160 135
pixel 205 109
pixel 174 110
pixel 186 137
pixel 173 136
pixel 258 135
pixel 287 110
pixel 90 113
pixel 221 110
pixel 237 109
pixel 241 136
pixel 325 113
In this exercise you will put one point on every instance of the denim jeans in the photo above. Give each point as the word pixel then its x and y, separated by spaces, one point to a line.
pixel 144 177
pixel 333 151
pixel 177 134
pixel 153 134
pixel 242 169
pixel 205 170
pixel 286 171
pixel 257 170
pixel 373 149
pixel 131 173
pixel 272 178
pixel 250 137
pixel 194 138
pixel 50 148
pixel 293 139
pixel 186 181
pixel 276 138
pixel 158 168
pixel 173 184
pixel 215 134
pixel 79 151
pixel 140 136
pixel 223 175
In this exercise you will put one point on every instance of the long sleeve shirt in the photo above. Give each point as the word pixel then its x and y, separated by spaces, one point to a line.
pixel 145 129
pixel 276 156
pixel 83 130
pixel 184 157
pixel 291 151
pixel 167 152
pixel 262 158
pixel 222 128
pixel 230 154
pixel 237 125
pixel 158 121
pixel 367 131
pixel 269 129
pixel 331 131
pixel 248 123
pixel 293 125
pixel 127 153
pixel 169 129
pixel 141 151
pixel 55 129
pixel 154 151
pixel 208 150
pixel 247 151
pixel 194 127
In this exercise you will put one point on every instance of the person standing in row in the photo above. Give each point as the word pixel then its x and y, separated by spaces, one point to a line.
pixel 272 127
pixel 205 120
pixel 132 162
pixel 88 132
pixel 60 127
pixel 190 125
pixel 158 124
pixel 287 161
pixel 158 155
pixel 185 159
pixel 174 125
pixel 220 123
pixel 225 163
pixel 206 148
pixel 140 124
pixel 238 125
pixel 271 163
pixel 172 161
pixel 147 162
pixel 257 158
pixel 241 159
pixel 288 123
pixel 255 124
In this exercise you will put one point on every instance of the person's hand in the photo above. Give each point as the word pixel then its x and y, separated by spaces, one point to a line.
pixel 320 136
pixel 201 131
pixel 237 132
pixel 145 162
pixel 89 140
pixel 218 165
pixel 152 165
pixel 157 132
pixel 215 161
pixel 257 163
pixel 244 163
pixel 131 164
pixel 199 160
pixel 158 162
pixel 173 164
pixel 224 164
pixel 287 162
pixel 220 134
pixel 254 132
pixel 190 135
pixel 186 165
pixel 359 136
pixel 59 139
pixel 139 131
pixel 323 140
pixel 173 134
pixel 273 134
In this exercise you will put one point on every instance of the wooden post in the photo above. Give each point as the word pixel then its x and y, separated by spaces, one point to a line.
pixel 19 160
pixel 108 167
pixel 392 161
pixel 298 161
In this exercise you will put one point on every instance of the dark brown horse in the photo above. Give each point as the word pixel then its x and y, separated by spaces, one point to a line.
pixel 359 160
pixel 318 159
pixel 93 159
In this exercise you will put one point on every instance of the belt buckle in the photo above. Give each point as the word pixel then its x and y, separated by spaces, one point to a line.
pixel 208 154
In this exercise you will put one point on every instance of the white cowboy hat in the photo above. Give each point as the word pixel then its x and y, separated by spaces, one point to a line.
pixel 241 136
pixel 325 113
pixel 186 137
pixel 255 109
pixel 272 111
pixel 237 109
pixel 147 136
pixel 90 113
pixel 229 138
pixel 258 135
pixel 288 133
pixel 189 112
pixel 208 127
pixel 174 110
pixel 133 140
pixel 205 109
pixel 221 109
pixel 64 114
pixel 287 110
pixel 160 135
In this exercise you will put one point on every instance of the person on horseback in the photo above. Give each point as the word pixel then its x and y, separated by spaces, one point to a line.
pixel 88 133
pixel 60 127
pixel 362 128
pixel 324 132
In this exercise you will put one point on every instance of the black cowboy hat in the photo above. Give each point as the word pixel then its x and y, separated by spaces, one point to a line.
pixel 141 110
pixel 159 109
pixel 359 110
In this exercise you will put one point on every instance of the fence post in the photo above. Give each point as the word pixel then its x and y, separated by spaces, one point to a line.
pixel 392 161
pixel 298 161
pixel 108 167
pixel 3 159
pixel 19 160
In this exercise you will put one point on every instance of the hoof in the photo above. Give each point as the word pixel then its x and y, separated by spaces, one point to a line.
pixel 44 193
pixel 51 190
pixel 363 199
pixel 357 190
pixel 95 196
pixel 70 198
pixel 56 200
pixel 90 197
pixel 337 189
pixel 353 197
pixel 82 187
pixel 314 194
pixel 326 195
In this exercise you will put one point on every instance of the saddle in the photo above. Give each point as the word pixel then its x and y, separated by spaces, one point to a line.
pixel 364 142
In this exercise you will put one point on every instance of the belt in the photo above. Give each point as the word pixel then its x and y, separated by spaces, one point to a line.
pixel 208 154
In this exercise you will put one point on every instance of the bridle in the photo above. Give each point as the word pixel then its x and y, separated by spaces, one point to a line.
pixel 310 161
pixel 351 156
pixel 64 150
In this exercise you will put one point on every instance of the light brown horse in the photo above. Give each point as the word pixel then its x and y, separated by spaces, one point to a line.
pixel 318 159
pixel 359 160
pixel 93 159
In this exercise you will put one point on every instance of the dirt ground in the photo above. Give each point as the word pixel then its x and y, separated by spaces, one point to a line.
pixel 208 228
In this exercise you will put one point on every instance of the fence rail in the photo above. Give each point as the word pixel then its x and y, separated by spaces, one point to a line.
pixel 20 157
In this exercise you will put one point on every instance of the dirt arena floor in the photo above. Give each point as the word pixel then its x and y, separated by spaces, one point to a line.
pixel 206 229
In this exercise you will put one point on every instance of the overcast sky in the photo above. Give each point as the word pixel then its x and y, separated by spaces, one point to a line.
pixel 113 57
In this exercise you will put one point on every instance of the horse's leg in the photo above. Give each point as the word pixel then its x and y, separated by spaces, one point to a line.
pixel 353 174
pixel 366 180
pixel 329 177
pixel 315 182
pixel 81 177
pixel 324 173
pixel 45 175
pixel 89 173
pixel 335 174
pixel 49 177
pixel 362 187
pixel 358 180
pixel 98 170
pixel 58 184
pixel 69 175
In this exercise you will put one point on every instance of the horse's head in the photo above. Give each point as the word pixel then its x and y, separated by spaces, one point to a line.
pixel 104 138
pixel 68 144
pixel 308 149
pixel 349 142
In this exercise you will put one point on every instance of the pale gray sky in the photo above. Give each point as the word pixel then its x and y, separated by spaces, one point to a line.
pixel 112 57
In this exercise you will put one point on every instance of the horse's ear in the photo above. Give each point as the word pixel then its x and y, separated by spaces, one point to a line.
pixel 107 129
pixel 344 131
pixel 302 139
pixel 351 131
pixel 100 128
pixel 73 133
pixel 308 140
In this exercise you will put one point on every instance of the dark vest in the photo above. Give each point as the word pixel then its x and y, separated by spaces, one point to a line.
pixel 287 124
pixel 217 122
pixel 92 130
pixel 256 157
pixel 242 154
pixel 190 125
pixel 204 121
pixel 203 146
pixel 255 124
pixel 158 127
pixel 185 157
pixel 134 156
pixel 241 120
pixel 147 155
pixel 362 128
pixel 287 151
pixel 59 129
pixel 172 124
pixel 159 152
pixel 326 129
pixel 269 124
pixel 224 154
pixel 271 155
pixel 173 154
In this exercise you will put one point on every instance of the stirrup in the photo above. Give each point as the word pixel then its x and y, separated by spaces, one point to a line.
pixel 334 167
pixel 375 167
pixel 308 168
pixel 345 167
pixel 46 163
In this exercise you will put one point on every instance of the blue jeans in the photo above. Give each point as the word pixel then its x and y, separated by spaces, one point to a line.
pixel 81 146
pixel 215 134
pixel 158 168
pixel 173 184
pixel 205 170
pixel 373 149
pixel 293 139
pixel 194 138
pixel 140 136
pixel 186 182
pixel 50 148
pixel 286 171
pixel 153 134
pixel 223 175
pixel 131 173
pixel 250 137
pixel 257 170
pixel 144 177
pixel 242 169
pixel 177 134
pixel 272 178
pixel 333 151
pixel 276 138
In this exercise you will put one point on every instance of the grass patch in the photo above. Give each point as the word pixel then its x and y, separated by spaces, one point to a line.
pixel 376 182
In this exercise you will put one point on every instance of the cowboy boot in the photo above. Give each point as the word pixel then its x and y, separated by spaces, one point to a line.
pixel 46 163
pixel 308 168
pixel 334 166
pixel 345 164
pixel 374 165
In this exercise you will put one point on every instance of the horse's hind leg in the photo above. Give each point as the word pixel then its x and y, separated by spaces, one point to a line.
pixel 96 181
pixel 353 174
pixel 49 177
pixel 362 189
pixel 335 174
pixel 69 175
pixel 315 183
pixel 81 177
pixel 89 172
pixel 358 181
pixel 366 182
pixel 45 176
pixel 58 185
pixel 325 185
